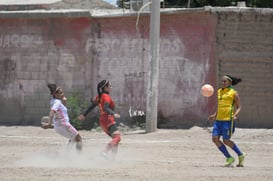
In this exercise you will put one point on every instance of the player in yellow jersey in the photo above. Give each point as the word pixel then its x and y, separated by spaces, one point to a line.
pixel 225 117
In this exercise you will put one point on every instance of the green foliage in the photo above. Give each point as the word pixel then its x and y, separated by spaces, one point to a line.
pixel 76 103
pixel 201 3
pixel 263 3
pixel 219 3
pixel 176 4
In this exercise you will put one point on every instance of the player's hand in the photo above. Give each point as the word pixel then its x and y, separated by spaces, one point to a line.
pixel 211 118
pixel 116 115
pixel 81 117
pixel 234 118
pixel 64 100
pixel 46 126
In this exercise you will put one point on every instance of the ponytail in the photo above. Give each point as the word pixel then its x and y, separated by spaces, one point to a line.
pixel 100 87
pixel 234 80
pixel 52 88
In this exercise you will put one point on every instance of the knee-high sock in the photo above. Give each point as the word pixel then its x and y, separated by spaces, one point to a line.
pixel 223 149
pixel 237 150
pixel 115 139
pixel 113 143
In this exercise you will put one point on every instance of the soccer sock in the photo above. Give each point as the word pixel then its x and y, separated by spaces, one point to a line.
pixel 114 142
pixel 116 139
pixel 107 148
pixel 237 150
pixel 223 149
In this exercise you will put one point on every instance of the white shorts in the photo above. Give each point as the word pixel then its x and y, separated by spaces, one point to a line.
pixel 66 130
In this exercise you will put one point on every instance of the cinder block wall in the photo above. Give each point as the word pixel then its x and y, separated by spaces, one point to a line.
pixel 36 49
pixel 76 50
pixel 244 42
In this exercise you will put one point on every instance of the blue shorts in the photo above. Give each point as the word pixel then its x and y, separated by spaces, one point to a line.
pixel 223 128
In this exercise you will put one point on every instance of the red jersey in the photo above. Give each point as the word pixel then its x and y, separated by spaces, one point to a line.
pixel 105 98
pixel 106 119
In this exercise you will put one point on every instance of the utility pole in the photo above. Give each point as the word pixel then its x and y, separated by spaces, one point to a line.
pixel 189 4
pixel 152 93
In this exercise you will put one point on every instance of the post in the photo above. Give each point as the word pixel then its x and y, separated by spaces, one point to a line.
pixel 189 4
pixel 152 92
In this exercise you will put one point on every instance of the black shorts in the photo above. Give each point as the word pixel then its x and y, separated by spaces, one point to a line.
pixel 111 129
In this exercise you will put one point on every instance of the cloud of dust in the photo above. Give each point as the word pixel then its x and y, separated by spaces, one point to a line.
pixel 69 157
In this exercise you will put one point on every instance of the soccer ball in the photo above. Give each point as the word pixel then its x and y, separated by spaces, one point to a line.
pixel 207 90
pixel 44 120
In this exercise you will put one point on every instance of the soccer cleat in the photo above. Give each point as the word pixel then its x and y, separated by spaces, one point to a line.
pixel 241 160
pixel 229 162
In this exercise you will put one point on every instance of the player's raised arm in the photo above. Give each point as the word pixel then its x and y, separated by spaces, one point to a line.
pixel 84 114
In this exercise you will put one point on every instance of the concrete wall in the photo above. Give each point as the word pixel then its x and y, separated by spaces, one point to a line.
pixel 245 49
pixel 76 50
pixel 34 52
pixel 187 61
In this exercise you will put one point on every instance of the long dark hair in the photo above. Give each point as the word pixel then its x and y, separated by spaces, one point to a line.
pixel 100 87
pixel 53 89
pixel 234 80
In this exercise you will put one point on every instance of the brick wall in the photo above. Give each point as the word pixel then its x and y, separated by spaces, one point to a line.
pixel 76 50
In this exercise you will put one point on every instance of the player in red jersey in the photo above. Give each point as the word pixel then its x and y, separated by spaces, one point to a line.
pixel 107 116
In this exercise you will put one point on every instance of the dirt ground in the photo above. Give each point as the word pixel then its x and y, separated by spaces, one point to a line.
pixel 34 154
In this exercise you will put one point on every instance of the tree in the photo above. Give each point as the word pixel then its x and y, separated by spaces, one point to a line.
pixel 221 3
pixel 202 3
pixel 263 3
pixel 176 3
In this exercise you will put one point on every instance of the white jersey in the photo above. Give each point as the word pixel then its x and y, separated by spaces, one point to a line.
pixel 51 102
pixel 61 119
pixel 60 116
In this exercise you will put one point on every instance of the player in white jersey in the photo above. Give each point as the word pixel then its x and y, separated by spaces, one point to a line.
pixel 59 117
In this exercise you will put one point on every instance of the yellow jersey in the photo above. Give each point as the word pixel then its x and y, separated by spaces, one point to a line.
pixel 226 100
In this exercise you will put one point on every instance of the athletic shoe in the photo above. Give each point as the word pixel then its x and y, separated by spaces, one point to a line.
pixel 229 161
pixel 241 160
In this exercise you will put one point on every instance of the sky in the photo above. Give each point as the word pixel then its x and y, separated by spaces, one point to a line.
pixel 114 2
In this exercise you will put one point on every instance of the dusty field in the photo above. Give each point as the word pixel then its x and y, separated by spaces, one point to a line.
pixel 34 154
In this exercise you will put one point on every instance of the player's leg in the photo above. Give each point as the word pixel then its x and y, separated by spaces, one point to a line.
pixel 223 149
pixel 227 141
pixel 113 132
pixel 217 132
pixel 241 160
pixel 236 149
pixel 114 143
pixel 68 131
pixel 78 140
pixel 75 136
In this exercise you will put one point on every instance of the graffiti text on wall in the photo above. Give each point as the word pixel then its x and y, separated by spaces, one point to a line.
pixel 20 41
